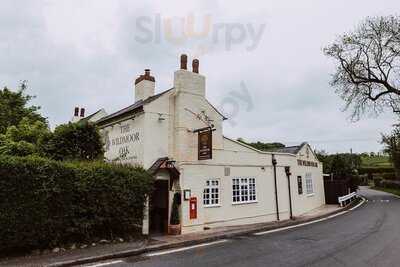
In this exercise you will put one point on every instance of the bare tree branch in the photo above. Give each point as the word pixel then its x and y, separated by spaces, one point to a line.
pixel 367 77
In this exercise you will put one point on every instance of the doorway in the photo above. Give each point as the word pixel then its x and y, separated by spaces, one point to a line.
pixel 159 208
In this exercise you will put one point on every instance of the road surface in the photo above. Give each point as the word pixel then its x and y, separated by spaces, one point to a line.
pixel 367 236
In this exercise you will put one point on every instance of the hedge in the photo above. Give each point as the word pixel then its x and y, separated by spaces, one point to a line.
pixel 47 203
pixel 389 184
pixel 366 170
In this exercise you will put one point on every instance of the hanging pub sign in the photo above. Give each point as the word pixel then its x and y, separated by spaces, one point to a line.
pixel 205 144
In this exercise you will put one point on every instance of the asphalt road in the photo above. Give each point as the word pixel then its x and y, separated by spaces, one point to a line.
pixel 367 236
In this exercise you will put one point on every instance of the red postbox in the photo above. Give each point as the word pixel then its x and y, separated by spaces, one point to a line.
pixel 193 208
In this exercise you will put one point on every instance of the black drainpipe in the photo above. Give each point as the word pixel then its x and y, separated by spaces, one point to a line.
pixel 287 171
pixel 276 187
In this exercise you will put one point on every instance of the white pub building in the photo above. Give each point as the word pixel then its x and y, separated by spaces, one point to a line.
pixel 178 136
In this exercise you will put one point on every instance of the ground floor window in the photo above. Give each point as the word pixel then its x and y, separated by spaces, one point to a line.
pixel 300 185
pixel 309 184
pixel 243 190
pixel 211 193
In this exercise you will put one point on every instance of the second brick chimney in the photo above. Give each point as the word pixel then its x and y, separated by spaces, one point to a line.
pixel 144 86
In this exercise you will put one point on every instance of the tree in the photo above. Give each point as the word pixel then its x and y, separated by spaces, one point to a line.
pixel 262 146
pixel 368 60
pixel 14 107
pixel 392 147
pixel 27 138
pixel 75 141
pixel 340 165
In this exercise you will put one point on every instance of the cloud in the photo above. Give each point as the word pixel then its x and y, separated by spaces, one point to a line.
pixel 88 54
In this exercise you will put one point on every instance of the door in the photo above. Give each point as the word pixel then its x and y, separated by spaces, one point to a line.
pixel 159 208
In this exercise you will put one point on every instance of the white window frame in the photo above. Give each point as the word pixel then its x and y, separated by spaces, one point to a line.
pixel 244 190
pixel 309 184
pixel 211 193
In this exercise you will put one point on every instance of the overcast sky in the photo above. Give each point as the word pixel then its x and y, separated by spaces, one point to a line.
pixel 263 60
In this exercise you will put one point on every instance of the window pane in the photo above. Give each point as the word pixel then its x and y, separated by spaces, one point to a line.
pixel 309 183
pixel 210 193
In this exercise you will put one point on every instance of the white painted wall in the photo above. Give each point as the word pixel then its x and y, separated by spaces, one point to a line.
pixel 156 130
pixel 304 202
pixel 166 130
pixel 125 137
pixel 243 162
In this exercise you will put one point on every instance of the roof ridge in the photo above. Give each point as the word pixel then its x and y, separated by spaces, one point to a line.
pixel 138 104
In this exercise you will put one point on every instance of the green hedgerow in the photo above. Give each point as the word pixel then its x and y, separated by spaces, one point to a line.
pixel 46 203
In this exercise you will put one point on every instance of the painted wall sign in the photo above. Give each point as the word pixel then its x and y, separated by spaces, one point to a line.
pixel 307 163
pixel 205 145
pixel 122 142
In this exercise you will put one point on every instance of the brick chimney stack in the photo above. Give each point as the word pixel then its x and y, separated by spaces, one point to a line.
pixel 189 81
pixel 144 86
pixel 77 116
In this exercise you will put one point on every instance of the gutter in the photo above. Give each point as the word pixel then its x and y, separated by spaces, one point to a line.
pixel 287 171
pixel 274 162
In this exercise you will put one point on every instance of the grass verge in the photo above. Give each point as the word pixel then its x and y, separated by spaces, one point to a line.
pixel 387 190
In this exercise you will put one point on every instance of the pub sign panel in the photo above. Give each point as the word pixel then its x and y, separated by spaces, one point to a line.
pixel 205 145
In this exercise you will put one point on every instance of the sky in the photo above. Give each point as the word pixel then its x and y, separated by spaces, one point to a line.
pixel 263 61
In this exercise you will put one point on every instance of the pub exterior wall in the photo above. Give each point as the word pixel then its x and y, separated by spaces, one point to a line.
pixel 166 127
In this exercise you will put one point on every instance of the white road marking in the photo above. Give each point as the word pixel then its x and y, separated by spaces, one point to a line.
pixel 307 223
pixel 359 204
pixel 289 227
pixel 185 248
pixel 105 263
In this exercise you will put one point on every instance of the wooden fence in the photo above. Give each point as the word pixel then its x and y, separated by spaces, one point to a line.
pixel 335 188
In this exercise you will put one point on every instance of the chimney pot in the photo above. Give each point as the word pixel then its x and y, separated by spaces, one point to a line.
pixel 82 112
pixel 76 112
pixel 195 65
pixel 145 76
pixel 183 62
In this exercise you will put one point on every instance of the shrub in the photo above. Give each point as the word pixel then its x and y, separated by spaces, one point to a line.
pixel 75 141
pixel 46 203
pixel 390 184
pixel 363 179
pixel 388 176
pixel 377 181
pixel 175 209
pixel 367 170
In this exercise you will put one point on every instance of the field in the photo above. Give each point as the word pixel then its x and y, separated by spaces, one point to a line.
pixel 375 161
